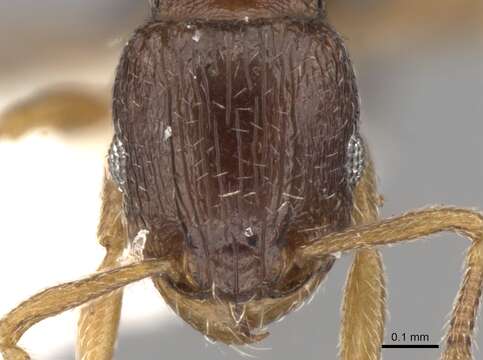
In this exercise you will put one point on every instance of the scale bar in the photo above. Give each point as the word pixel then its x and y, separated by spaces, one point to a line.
pixel 384 346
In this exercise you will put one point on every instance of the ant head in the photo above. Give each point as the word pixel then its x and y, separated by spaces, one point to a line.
pixel 236 9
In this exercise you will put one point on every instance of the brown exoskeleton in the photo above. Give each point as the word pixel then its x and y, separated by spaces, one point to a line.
pixel 237 161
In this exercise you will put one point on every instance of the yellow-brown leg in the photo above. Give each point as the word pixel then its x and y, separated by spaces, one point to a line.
pixel 363 309
pixel 99 320
pixel 415 225
pixel 64 109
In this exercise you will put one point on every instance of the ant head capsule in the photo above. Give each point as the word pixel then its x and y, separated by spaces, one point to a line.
pixel 225 131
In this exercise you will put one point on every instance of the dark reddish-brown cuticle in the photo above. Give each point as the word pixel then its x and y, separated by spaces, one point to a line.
pixel 237 135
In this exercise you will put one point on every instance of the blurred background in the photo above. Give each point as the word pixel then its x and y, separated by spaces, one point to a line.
pixel 420 71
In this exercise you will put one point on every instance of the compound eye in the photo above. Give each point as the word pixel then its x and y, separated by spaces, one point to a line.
pixel 117 162
pixel 355 159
